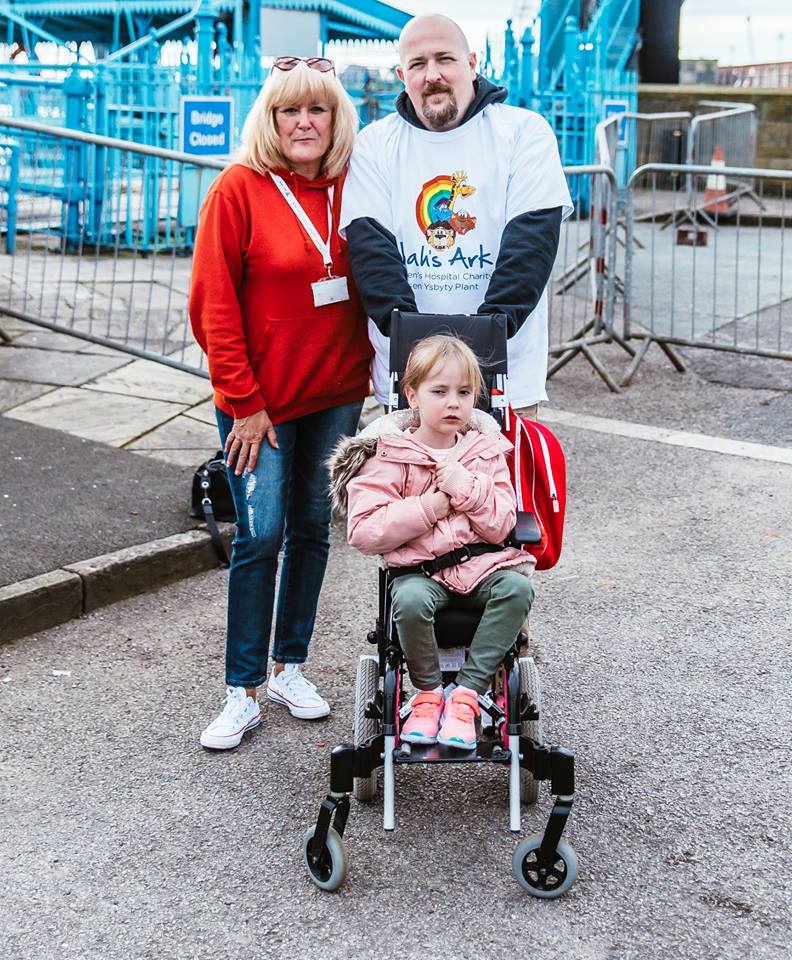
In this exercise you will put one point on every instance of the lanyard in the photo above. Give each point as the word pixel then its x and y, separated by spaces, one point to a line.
pixel 323 246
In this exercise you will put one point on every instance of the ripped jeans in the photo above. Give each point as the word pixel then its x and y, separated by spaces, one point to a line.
pixel 283 502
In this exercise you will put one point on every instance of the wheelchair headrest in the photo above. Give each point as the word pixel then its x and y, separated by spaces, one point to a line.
pixel 485 335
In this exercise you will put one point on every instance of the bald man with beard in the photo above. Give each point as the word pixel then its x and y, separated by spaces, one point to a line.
pixel 453 204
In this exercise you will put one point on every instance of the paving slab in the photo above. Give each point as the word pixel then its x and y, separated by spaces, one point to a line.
pixel 108 418
pixel 183 440
pixel 189 353
pixel 54 367
pixel 52 340
pixel 154 381
pixel 64 499
pixel 15 392
pixel 205 412
pixel 15 326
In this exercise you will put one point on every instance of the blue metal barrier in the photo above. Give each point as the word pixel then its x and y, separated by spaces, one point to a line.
pixel 9 184
pixel 132 96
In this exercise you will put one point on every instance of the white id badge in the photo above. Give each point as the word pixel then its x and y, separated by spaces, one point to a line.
pixel 330 290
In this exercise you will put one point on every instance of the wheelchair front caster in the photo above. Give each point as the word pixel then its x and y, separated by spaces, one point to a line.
pixel 545 880
pixel 329 870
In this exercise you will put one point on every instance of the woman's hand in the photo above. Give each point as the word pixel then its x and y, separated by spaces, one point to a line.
pixel 452 477
pixel 244 441
pixel 439 502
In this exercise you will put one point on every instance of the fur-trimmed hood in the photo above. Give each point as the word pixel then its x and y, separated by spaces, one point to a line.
pixel 392 433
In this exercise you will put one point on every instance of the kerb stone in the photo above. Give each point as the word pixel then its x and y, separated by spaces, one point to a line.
pixel 133 570
pixel 39 603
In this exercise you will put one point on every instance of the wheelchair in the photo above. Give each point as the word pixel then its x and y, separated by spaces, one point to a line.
pixel 510 736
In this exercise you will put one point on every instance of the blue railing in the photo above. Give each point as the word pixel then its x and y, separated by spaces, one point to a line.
pixel 576 72
pixel 132 96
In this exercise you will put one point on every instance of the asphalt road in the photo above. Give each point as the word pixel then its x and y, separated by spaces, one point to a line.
pixel 662 641
pixel 66 499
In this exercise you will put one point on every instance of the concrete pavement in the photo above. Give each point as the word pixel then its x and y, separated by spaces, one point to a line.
pixel 661 639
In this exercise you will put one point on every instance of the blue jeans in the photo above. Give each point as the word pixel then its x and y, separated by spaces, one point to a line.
pixel 285 503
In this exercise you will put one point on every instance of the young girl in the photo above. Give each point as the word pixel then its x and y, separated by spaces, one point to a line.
pixel 418 486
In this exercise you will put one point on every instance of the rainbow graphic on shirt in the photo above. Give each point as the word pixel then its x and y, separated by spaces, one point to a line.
pixel 436 210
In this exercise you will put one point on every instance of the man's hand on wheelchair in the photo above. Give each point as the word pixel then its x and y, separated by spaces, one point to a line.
pixel 452 477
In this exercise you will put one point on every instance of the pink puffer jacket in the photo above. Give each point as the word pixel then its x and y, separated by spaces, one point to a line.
pixel 385 474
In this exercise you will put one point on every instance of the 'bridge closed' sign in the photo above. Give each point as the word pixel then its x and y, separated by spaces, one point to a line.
pixel 206 126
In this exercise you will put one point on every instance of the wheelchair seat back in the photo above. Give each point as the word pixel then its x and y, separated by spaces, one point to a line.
pixel 485 335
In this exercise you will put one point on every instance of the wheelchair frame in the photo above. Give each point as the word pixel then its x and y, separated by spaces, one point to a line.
pixel 543 864
pixel 348 761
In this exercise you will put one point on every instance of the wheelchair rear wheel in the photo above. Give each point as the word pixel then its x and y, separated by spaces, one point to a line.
pixel 529 684
pixel 366 683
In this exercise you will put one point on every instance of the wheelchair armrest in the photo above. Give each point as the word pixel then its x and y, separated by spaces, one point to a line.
pixel 526 531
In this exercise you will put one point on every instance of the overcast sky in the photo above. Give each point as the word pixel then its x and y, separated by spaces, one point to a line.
pixel 710 28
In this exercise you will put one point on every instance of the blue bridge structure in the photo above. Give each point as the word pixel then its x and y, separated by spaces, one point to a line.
pixel 127 65
pixel 146 54
pixel 575 64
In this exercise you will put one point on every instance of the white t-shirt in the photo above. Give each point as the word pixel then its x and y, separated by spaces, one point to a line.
pixel 447 197
pixel 442 455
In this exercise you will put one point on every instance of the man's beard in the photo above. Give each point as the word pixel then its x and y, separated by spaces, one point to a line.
pixel 439 117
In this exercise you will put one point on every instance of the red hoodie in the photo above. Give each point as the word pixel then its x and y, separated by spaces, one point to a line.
pixel 251 303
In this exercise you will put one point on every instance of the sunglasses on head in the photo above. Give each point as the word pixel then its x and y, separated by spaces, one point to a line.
pixel 322 64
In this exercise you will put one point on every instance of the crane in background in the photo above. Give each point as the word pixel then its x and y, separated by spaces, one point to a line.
pixel 750 38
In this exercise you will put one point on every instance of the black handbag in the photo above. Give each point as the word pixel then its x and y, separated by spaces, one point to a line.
pixel 212 501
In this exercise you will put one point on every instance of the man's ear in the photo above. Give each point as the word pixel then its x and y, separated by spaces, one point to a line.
pixel 400 73
pixel 472 63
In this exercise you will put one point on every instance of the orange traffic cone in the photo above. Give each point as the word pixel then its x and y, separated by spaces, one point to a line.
pixel 716 186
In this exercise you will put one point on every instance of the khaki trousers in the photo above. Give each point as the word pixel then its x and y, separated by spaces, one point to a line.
pixel 505 597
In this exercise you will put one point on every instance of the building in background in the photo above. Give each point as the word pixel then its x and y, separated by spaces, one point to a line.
pixel 698 71
pixel 765 75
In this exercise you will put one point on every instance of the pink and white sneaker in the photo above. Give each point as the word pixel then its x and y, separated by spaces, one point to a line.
pixel 421 726
pixel 458 728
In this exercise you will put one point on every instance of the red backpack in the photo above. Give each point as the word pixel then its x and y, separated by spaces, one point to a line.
pixel 538 474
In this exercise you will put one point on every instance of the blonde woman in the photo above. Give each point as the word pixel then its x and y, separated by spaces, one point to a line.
pixel 273 305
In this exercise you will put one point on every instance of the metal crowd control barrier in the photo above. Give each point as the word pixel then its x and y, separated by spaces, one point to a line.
pixel 629 140
pixel 725 136
pixel 104 257
pixel 107 257
pixel 728 288
pixel 584 282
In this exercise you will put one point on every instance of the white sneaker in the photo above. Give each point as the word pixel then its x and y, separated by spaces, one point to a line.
pixel 298 694
pixel 240 714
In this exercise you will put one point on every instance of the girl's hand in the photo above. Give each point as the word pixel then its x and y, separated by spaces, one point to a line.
pixel 452 477
pixel 439 502
pixel 244 442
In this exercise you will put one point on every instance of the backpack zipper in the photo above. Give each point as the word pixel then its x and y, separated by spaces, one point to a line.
pixel 550 477
pixel 520 505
